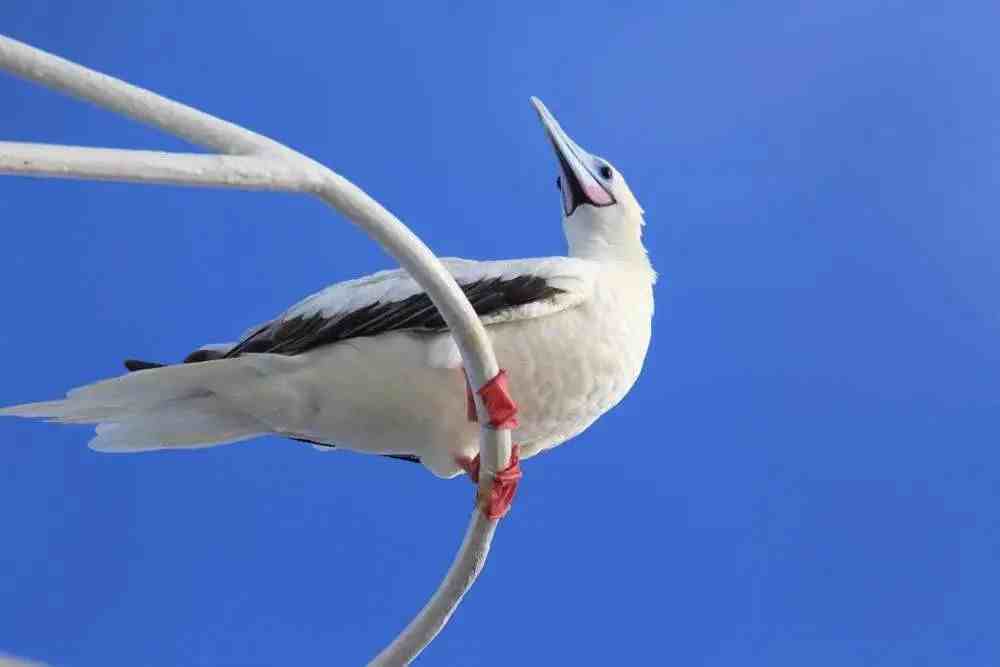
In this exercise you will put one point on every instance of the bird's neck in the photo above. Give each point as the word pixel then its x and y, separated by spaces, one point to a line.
pixel 617 245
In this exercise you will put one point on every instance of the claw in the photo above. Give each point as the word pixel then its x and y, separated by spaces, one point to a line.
pixel 504 486
pixel 499 405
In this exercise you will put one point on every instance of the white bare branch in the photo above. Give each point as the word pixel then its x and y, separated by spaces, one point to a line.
pixel 137 103
pixel 432 618
pixel 251 172
pixel 257 162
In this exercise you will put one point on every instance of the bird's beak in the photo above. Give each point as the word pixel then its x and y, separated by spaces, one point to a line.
pixel 578 183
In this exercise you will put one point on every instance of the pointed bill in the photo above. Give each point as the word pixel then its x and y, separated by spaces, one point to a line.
pixel 578 182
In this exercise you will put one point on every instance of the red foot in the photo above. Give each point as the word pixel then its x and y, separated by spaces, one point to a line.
pixel 499 405
pixel 504 484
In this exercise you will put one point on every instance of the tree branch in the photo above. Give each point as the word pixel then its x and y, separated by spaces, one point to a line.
pixel 257 162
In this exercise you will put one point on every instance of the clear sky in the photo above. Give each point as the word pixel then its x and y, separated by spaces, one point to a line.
pixel 805 473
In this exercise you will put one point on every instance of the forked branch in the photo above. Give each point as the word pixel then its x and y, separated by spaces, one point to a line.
pixel 252 161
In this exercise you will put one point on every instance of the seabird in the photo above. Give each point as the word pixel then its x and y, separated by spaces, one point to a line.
pixel 368 364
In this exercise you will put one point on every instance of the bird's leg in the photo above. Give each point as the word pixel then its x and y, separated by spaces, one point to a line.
pixel 496 398
pixel 502 411
pixel 504 486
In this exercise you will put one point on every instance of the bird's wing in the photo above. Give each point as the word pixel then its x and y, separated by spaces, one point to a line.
pixel 500 291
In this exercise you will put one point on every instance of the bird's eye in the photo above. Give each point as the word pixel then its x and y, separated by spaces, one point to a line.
pixel 558 183
pixel 606 173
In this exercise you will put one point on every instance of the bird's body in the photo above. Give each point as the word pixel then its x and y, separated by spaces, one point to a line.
pixel 403 392
pixel 367 365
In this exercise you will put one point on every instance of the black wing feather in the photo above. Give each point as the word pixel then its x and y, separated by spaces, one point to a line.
pixel 302 333
pixel 415 313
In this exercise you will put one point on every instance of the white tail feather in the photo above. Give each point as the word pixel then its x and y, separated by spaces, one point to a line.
pixel 179 406
pixel 188 424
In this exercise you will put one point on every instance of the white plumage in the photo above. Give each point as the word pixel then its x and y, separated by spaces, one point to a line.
pixel 365 365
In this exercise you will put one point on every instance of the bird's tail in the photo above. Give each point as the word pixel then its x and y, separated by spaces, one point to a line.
pixel 179 406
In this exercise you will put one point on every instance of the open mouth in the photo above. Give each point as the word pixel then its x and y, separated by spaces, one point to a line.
pixel 577 183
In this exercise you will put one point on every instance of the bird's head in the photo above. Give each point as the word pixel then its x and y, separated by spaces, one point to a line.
pixel 601 216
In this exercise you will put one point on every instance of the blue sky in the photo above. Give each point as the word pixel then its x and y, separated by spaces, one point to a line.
pixel 805 473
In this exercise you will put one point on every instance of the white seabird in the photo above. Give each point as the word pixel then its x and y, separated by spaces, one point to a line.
pixel 367 364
